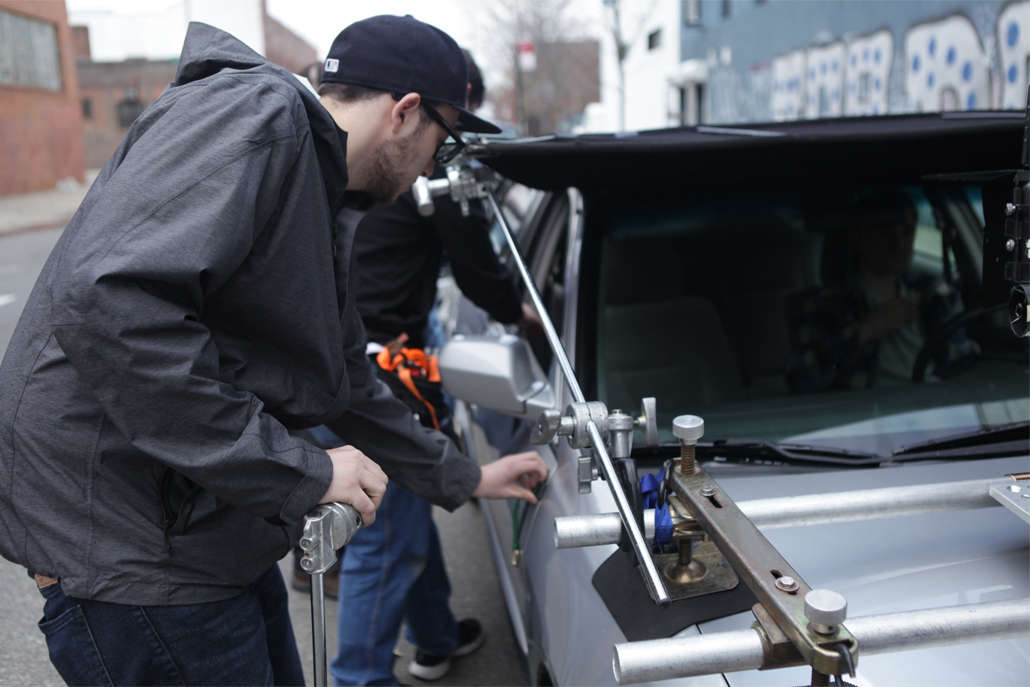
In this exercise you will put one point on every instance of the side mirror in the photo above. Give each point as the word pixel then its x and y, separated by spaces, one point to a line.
pixel 500 374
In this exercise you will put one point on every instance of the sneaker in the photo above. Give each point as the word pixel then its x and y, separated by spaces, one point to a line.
pixel 429 667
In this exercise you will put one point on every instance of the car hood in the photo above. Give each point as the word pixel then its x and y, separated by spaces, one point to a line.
pixel 903 563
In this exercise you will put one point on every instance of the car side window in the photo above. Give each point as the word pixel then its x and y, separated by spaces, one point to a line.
pixel 928 247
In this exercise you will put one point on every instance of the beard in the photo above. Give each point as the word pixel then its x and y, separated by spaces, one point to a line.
pixel 387 175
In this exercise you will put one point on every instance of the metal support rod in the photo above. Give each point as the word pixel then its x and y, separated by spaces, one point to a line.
pixel 636 538
pixel 726 652
pixel 640 546
pixel 321 667
pixel 815 509
pixel 870 504
pixel 538 303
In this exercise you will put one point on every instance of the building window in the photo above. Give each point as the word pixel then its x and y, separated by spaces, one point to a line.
pixel 87 108
pixel 691 12
pixel 863 88
pixel 28 52
pixel 727 9
pixel 129 108
pixel 654 39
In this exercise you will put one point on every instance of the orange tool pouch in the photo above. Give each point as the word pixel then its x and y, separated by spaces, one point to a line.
pixel 410 364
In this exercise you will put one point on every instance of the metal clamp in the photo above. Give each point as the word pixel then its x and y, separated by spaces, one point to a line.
pixel 461 183
pixel 572 425
pixel 327 529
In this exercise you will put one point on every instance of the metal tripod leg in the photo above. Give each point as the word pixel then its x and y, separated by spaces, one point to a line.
pixel 327 529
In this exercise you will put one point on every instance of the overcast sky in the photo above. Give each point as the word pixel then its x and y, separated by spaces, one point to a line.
pixel 318 21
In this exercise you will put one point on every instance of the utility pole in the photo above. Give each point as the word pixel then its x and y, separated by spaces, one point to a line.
pixel 621 50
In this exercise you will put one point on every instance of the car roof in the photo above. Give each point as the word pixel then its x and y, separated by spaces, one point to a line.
pixel 890 148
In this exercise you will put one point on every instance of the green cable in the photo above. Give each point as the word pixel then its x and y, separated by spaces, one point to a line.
pixel 516 521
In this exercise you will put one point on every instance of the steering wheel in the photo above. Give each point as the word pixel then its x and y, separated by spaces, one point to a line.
pixel 944 334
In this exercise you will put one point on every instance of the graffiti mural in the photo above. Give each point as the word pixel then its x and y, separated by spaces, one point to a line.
pixel 868 71
pixel 824 87
pixel 1014 52
pixel 788 73
pixel 946 68
pixel 912 59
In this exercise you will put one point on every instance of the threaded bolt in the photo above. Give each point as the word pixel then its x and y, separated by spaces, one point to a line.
pixel 820 679
pixel 688 429
pixel 686 465
pixel 686 551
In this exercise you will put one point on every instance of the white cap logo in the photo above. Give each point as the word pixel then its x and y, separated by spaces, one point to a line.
pixel 332 65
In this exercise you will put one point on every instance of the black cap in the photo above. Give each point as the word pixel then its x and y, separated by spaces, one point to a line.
pixel 404 55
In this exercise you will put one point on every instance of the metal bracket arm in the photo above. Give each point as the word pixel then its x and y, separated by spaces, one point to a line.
pixel 777 585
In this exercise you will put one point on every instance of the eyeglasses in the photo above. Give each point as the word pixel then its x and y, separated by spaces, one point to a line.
pixel 449 149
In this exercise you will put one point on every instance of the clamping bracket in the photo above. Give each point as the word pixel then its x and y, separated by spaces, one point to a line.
pixel 779 588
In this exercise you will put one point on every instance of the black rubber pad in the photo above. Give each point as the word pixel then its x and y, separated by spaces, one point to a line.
pixel 622 588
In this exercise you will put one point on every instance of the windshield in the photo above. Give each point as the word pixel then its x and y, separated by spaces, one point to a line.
pixel 802 314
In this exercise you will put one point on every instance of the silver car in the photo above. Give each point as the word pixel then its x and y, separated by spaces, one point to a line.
pixel 681 266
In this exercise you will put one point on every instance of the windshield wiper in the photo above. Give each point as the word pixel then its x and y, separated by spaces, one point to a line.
pixel 996 442
pixel 1001 441
pixel 757 451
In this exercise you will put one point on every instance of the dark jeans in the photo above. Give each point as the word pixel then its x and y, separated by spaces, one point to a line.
pixel 246 640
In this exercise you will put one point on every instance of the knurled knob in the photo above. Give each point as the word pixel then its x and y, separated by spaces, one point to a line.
pixel 688 428
pixel 825 609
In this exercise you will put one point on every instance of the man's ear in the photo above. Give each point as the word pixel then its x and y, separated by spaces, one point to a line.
pixel 402 110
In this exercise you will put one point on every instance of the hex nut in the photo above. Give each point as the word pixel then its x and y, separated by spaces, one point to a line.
pixel 787 583
pixel 688 428
pixel 825 607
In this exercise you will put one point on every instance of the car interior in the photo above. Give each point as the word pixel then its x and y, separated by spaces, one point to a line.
pixel 696 307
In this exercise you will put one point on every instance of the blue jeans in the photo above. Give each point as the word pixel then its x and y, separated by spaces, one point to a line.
pixel 392 571
pixel 246 640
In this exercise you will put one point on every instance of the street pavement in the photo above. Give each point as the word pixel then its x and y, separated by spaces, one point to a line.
pixel 29 227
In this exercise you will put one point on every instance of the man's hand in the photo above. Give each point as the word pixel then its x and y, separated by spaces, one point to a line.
pixel 531 321
pixel 357 481
pixel 893 315
pixel 512 477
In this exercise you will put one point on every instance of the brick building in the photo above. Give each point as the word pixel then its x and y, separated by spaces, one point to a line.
pixel 115 93
pixel 41 140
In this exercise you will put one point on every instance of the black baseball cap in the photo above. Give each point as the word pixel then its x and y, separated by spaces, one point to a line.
pixel 404 55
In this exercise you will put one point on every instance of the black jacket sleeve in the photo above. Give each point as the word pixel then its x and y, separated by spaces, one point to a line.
pixel 423 461
pixel 478 272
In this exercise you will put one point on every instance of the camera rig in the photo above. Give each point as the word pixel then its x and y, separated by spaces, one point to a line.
pixel 720 543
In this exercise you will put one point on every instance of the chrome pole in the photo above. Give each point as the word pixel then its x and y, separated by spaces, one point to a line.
pixel 725 652
pixel 870 504
pixel 640 547
pixel 574 531
pixel 538 303
pixel 321 667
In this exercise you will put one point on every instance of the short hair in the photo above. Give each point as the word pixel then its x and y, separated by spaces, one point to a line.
pixel 478 91
pixel 347 92
pixel 352 93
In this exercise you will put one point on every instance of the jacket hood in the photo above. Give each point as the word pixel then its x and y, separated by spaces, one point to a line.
pixel 208 51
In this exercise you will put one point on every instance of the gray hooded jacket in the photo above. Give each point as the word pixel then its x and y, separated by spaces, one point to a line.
pixel 194 310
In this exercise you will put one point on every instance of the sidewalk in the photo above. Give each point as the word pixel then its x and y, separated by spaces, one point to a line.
pixel 43 209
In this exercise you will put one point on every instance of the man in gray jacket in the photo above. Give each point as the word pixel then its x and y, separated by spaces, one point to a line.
pixel 197 308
